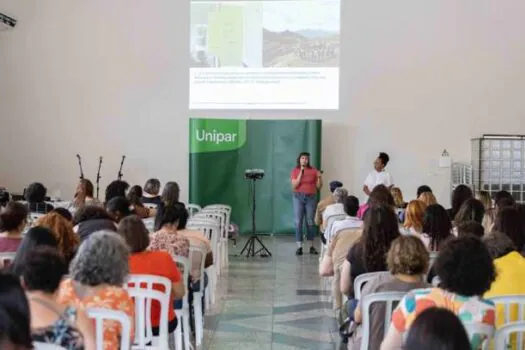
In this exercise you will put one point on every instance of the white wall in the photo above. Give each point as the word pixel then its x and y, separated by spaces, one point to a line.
pixel 110 78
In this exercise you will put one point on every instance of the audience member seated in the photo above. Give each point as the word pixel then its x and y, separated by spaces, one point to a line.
pixel 170 193
pixel 166 238
pixel 437 228
pixel 196 239
pixel 35 195
pixel 368 254
pixel 90 219
pixel 52 322
pixel 157 263
pixel 437 329
pixel 407 262
pixel 12 224
pixel 117 188
pixel 470 228
pixel 470 210
pixel 510 278
pixel 84 195
pixel 422 189
pixel 97 274
pixel 398 198
pixel 346 235
pixel 501 200
pixel 63 212
pixel 466 271
pixel 488 218
pixel 508 221
pixel 67 240
pixel 151 192
pixel 323 203
pixel 428 198
pixel 36 237
pixel 134 196
pixel 15 331
pixel 340 194
pixel 414 215
pixel 118 208
pixel 379 195
pixel 460 194
pixel 351 221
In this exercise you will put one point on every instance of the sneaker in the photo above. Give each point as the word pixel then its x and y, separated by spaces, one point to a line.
pixel 299 251
pixel 313 251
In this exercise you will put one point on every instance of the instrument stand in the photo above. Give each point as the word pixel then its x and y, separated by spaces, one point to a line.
pixel 249 247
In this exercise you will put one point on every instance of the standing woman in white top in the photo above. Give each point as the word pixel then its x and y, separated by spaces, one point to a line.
pixel 379 176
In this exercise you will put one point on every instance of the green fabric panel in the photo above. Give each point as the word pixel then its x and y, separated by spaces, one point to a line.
pixel 217 172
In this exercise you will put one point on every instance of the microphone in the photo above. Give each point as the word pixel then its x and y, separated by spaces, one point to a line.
pixel 302 169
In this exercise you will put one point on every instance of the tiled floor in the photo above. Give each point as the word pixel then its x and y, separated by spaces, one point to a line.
pixel 274 303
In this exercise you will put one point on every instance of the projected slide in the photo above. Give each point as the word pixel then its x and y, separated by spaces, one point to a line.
pixel 273 54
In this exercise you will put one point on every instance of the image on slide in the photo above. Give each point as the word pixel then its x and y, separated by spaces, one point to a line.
pixel 259 34
pixel 301 33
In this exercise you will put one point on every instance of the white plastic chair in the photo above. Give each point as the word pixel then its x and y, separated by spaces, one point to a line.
pixel 210 229
pixel 45 346
pixel 511 303
pixel 226 211
pixel 193 209
pixel 484 330
pixel 387 297
pixel 197 297
pixel 183 315
pixel 220 219
pixel 504 332
pixel 328 232
pixel 100 315
pixel 143 296
pixel 6 257
pixel 361 280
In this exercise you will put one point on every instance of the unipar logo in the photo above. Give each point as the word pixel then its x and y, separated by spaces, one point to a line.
pixel 216 135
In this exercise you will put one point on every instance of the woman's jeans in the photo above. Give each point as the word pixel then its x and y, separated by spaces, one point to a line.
pixel 304 206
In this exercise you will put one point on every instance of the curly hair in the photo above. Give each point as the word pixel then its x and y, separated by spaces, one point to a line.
pixel 471 209
pixel 101 259
pixel 437 225
pixel 340 194
pixel 465 267
pixel 152 187
pixel 63 230
pixel 380 228
pixel 414 214
pixel 408 256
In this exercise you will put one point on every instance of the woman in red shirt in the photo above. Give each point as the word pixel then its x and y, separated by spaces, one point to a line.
pixel 306 180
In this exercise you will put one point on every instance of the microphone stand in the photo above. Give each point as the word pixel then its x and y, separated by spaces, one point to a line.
pixel 80 166
pixel 120 170
pixel 98 174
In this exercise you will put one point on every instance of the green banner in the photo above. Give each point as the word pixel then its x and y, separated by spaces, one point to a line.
pixel 222 149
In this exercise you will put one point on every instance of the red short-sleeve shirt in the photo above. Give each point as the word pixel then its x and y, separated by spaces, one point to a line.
pixel 308 184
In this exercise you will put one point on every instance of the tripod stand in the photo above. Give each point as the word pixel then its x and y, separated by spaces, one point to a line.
pixel 249 247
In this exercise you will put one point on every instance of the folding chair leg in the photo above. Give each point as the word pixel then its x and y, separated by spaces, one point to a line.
pixel 199 318
pixel 178 333
pixel 186 329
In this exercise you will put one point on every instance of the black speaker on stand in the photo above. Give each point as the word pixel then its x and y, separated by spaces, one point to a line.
pixel 253 175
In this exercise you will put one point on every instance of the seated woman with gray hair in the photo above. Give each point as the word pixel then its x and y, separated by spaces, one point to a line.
pixel 97 274
pixel 340 194
pixel 150 194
